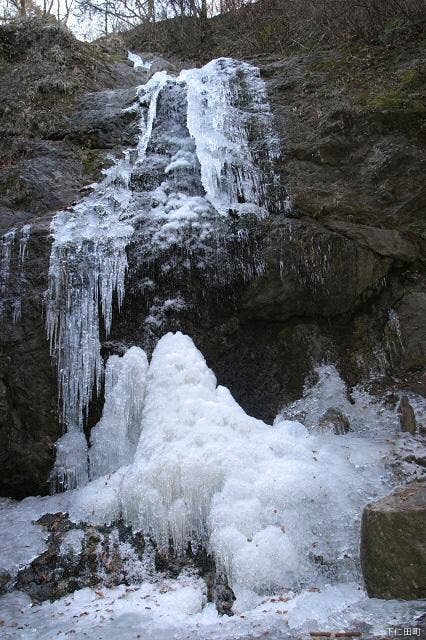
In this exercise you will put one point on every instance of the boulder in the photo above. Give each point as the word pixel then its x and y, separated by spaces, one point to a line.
pixel 407 416
pixel 335 421
pixel 393 545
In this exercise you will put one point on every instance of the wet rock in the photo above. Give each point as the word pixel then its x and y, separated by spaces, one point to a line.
pixel 336 421
pixel 218 589
pixel 224 598
pixel 105 119
pixel 82 556
pixel 385 242
pixel 411 312
pixel 407 417
pixel 160 64
pixel 393 550
pixel 5 581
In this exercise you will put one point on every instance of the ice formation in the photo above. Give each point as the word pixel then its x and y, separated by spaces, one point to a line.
pixel 88 263
pixel 115 437
pixel 365 413
pixel 7 241
pixel 168 192
pixel 253 494
pixel 6 247
pixel 11 285
pixel 227 110
pixel 23 243
pixel 138 62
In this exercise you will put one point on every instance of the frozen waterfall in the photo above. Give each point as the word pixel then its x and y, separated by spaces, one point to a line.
pixel 184 176
pixel 196 468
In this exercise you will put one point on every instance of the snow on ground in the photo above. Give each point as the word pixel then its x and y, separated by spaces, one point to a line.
pixel 20 540
pixel 178 610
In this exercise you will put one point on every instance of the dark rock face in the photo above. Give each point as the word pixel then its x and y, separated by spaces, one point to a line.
pixel 393 551
pixel 28 417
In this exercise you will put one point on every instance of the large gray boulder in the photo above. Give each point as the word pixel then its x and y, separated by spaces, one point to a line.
pixel 393 544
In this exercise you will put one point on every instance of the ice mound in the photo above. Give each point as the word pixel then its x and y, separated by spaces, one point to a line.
pixel 278 506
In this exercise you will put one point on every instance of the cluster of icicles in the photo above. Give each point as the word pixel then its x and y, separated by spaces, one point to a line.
pixel 7 242
pixel 226 101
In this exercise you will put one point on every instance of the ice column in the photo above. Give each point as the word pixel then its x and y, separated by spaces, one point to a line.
pixel 6 247
pixel 230 119
pixel 115 437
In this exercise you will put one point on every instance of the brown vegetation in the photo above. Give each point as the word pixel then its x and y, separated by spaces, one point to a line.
pixel 275 26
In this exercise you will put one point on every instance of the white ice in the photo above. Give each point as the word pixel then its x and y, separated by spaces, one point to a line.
pixel 254 494
pixel 114 439
pixel 230 119
pixel 177 610
pixel 138 62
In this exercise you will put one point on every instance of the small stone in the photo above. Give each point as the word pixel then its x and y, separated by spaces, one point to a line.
pixel 5 580
pixel 407 417
pixel 335 420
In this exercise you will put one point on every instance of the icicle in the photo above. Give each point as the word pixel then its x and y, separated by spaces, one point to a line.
pixel 23 242
pixel 230 119
pixel 115 437
pixel 7 241
pixel 88 264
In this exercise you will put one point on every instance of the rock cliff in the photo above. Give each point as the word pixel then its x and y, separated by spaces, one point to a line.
pixel 344 275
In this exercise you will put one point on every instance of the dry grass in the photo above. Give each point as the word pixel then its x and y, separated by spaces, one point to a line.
pixel 275 26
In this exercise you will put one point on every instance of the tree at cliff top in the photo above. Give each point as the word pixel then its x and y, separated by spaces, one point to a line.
pixel 110 16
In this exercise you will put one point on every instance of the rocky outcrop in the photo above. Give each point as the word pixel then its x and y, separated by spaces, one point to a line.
pixel 82 556
pixel 407 417
pixel 393 550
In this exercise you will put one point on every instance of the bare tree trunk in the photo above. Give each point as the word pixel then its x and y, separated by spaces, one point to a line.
pixel 23 8
pixel 151 11
pixel 203 20
pixel 106 18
